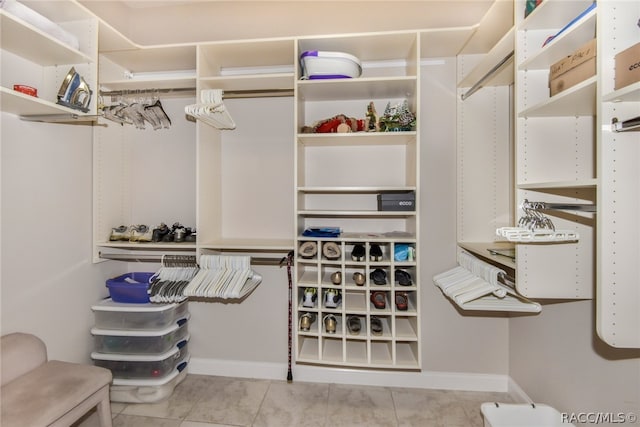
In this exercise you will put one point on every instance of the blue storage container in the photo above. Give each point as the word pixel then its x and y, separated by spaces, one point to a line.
pixel 130 288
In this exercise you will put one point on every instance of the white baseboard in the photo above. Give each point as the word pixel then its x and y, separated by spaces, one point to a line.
pixel 306 373
pixel 517 393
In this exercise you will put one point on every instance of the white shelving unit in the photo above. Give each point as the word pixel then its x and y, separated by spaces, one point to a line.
pixel 337 179
pixel 32 57
pixel 617 291
pixel 554 150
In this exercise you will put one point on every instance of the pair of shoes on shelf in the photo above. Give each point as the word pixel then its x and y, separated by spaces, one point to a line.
pixel 378 276
pixel 331 250
pixel 403 278
pixel 379 299
pixel 309 298
pixel 306 320
pixel 376 325
pixel 180 234
pixel 332 298
pixel 308 249
pixel 133 233
pixel 358 253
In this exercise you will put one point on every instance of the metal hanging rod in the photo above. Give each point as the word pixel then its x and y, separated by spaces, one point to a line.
pixel 631 125
pixel 559 206
pixel 228 94
pixel 491 72
pixel 158 258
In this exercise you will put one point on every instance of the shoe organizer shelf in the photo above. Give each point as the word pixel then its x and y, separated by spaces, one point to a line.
pixel 397 346
pixel 554 149
pixel 338 177
pixel 617 291
pixel 39 51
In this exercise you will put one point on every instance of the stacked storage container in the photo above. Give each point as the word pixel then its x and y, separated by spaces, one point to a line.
pixel 144 345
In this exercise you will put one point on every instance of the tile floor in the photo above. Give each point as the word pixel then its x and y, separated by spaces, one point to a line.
pixel 207 401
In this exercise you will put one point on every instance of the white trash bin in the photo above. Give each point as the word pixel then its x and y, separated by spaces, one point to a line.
pixel 521 415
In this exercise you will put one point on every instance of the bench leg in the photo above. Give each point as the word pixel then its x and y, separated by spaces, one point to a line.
pixel 104 410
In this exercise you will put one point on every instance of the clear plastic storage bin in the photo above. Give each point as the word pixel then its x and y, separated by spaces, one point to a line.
pixel 113 315
pixel 148 390
pixel 142 366
pixel 154 341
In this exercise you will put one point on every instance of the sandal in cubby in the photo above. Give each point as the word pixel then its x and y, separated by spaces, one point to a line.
pixel 354 325
pixel 402 301
pixel 378 298
pixel 331 250
pixel 308 249
pixel 378 276
pixel 402 278
pixel 376 325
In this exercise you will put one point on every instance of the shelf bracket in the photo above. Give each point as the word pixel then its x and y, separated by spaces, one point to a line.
pixel 60 118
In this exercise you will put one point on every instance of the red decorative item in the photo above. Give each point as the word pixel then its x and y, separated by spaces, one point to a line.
pixel 27 90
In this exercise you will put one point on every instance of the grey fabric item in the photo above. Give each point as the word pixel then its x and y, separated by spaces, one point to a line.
pixel 48 393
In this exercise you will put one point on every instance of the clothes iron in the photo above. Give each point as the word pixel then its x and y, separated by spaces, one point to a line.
pixel 74 92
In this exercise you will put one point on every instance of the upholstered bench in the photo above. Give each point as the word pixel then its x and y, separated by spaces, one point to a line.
pixel 37 392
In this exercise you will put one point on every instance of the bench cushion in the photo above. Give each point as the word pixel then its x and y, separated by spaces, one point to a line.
pixel 43 395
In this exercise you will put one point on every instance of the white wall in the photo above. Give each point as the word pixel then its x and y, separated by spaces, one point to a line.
pixel 48 280
pixel 557 359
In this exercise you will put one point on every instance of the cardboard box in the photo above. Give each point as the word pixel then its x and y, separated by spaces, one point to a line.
pixel 573 69
pixel 627 67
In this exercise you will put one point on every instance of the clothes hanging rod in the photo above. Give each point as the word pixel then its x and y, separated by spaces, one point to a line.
pixel 491 72
pixel 228 94
pixel 158 258
pixel 541 206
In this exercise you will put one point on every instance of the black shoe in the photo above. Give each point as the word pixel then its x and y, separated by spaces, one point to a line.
pixel 402 278
pixel 357 254
pixel 375 253
pixel 378 276
pixel 160 232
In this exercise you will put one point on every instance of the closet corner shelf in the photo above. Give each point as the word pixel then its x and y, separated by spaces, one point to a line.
pixel 553 14
pixel 264 81
pixel 579 100
pixel 482 249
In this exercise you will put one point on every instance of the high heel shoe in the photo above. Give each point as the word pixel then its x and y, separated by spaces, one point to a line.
pixel 331 250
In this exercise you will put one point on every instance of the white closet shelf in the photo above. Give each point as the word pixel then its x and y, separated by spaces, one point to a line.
pixel 482 249
pixel 147 84
pixel 148 245
pixel 249 82
pixel 579 100
pixel 357 190
pixel 581 32
pixel 26 105
pixel 35 45
pixel 372 237
pixel 553 14
pixel 357 138
pixel 629 93
pixel 501 77
pixel 154 58
pixel 366 88
pixel 359 213
pixel 584 183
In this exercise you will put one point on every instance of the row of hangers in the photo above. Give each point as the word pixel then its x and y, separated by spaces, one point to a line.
pixel 137 108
